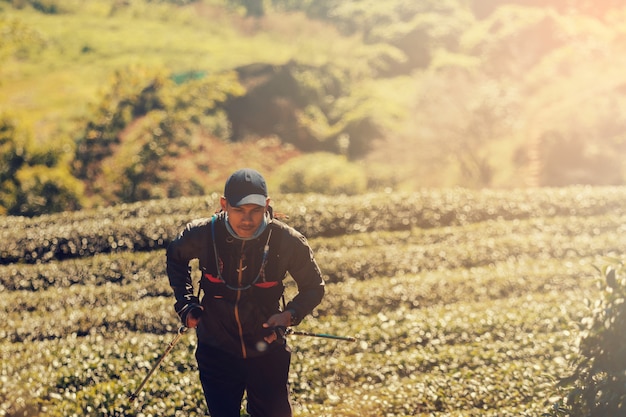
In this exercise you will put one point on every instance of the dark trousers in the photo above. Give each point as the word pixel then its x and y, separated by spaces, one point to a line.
pixel 225 377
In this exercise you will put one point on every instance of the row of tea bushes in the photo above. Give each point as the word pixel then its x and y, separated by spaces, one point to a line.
pixel 366 255
pixel 151 225
pixel 387 254
pixel 92 375
pixel 148 306
pixel 469 358
pixel 491 358
pixel 78 239
pixel 119 268
pixel 150 315
pixel 500 280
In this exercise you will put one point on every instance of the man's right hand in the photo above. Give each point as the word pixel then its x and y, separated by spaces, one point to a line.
pixel 193 318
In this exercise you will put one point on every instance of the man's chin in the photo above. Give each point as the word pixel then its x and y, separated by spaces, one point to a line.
pixel 244 233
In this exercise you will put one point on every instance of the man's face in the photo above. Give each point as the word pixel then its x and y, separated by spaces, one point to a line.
pixel 245 219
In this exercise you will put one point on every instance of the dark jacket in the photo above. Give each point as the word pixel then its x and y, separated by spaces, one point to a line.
pixel 236 304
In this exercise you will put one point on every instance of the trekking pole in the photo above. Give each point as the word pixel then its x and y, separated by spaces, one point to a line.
pixel 182 329
pixel 323 335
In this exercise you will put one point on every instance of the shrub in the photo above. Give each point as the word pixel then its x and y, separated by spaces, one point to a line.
pixel 34 179
pixel 44 189
pixel 596 387
pixel 321 173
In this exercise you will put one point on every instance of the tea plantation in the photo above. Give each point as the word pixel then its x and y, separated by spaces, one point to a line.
pixel 463 303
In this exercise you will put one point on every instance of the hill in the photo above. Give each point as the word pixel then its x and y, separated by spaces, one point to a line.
pixel 103 102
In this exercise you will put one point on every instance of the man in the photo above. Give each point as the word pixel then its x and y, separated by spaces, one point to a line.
pixel 244 255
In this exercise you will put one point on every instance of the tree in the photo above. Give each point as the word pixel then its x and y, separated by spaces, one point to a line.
pixel 144 127
pixel 315 108
pixel 33 180
pixel 12 158
pixel 44 190
pixel 133 93
pixel 413 31
pixel 597 8
pixel 458 119
pixel 569 125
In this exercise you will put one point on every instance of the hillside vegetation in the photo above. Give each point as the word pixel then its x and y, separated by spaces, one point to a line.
pixel 464 303
pixel 110 102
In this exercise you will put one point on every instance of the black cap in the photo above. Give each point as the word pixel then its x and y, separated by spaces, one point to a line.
pixel 245 186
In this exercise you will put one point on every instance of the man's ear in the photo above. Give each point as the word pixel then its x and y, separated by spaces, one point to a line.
pixel 223 203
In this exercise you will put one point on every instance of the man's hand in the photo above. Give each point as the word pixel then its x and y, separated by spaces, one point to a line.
pixel 193 318
pixel 277 320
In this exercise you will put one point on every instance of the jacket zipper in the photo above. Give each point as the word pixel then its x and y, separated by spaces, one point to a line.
pixel 237 318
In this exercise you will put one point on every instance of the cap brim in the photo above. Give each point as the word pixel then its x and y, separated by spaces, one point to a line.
pixel 257 199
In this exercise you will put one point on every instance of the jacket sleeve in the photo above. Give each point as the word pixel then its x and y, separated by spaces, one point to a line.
pixel 304 270
pixel 179 253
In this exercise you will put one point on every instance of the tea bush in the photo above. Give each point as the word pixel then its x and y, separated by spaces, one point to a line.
pixel 439 359
pixel 463 304
pixel 142 227
pixel 365 255
pixel 596 386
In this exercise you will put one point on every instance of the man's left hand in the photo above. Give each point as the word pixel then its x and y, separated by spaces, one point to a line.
pixel 277 320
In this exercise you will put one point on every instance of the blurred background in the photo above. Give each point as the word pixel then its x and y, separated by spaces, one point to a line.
pixel 108 102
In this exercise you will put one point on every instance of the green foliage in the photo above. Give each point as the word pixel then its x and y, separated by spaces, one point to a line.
pixel 253 8
pixel 522 105
pixel 321 173
pixel 44 6
pixel 336 109
pixel 11 160
pixel 462 303
pixel 315 108
pixel 509 98
pixel 415 30
pixel 149 226
pixel 561 112
pixel 569 159
pixel 33 179
pixel 133 93
pixel 480 115
pixel 198 101
pixel 596 386
pixel 18 39
pixel 143 127
pixel 44 189
pixel 70 6
pixel 507 38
